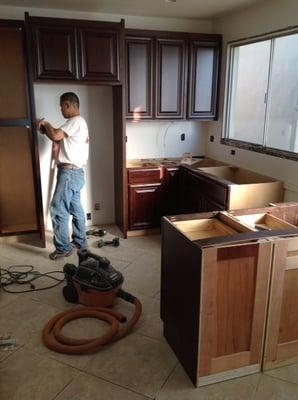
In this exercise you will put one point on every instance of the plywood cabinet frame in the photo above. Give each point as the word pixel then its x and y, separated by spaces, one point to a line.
pixel 274 252
pixel 282 327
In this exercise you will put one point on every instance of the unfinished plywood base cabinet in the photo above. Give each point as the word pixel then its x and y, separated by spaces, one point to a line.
pixel 215 292
pixel 282 334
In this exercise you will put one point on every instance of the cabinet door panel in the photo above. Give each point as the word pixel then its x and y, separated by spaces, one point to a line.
pixel 170 80
pixel 233 306
pixel 13 102
pixel 17 193
pixel 139 61
pixel 281 345
pixel 203 80
pixel 55 52
pixel 144 206
pixel 99 55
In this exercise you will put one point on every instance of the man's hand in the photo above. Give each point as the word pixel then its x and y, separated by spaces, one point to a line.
pixel 40 123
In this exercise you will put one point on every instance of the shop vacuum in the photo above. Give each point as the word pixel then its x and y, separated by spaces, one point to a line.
pixel 95 284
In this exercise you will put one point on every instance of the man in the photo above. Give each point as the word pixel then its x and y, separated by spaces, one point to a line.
pixel 73 150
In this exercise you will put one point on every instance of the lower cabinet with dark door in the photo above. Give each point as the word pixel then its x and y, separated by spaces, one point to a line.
pixel 144 206
pixel 144 197
pixel 199 194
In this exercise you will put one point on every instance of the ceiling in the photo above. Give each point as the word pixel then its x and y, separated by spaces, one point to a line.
pixel 194 9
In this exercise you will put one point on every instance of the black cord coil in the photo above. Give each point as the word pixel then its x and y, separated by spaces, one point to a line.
pixel 25 275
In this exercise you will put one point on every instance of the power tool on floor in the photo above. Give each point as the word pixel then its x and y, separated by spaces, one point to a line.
pixel 96 284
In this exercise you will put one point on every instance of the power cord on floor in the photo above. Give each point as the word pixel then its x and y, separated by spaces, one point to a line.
pixel 25 275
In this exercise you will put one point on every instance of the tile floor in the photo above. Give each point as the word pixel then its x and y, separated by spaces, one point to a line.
pixel 140 366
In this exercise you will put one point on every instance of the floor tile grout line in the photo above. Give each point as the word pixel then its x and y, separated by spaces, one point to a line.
pixel 116 384
pixel 62 390
pixel 168 377
pixel 12 353
pixel 257 386
pixel 80 369
pixel 280 379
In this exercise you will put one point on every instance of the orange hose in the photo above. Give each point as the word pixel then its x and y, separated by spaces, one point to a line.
pixel 55 340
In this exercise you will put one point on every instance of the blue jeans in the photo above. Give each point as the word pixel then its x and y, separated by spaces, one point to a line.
pixel 66 202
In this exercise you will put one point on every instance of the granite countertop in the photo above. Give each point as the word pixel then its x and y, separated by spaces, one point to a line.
pixel 196 162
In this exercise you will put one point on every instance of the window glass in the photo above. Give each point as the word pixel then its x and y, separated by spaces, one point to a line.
pixel 282 132
pixel 249 85
pixel 262 93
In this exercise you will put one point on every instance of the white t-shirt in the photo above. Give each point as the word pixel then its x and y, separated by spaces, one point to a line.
pixel 74 148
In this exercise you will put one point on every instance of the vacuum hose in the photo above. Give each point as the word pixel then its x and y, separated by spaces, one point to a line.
pixel 55 340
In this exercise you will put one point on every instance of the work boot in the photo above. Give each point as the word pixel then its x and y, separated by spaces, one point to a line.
pixel 60 254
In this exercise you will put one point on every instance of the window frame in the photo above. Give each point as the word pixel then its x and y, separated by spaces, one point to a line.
pixel 228 93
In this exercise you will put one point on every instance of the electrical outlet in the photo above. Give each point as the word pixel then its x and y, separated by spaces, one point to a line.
pixel 233 152
pixel 211 138
pixel 88 216
pixel 97 206
pixel 182 137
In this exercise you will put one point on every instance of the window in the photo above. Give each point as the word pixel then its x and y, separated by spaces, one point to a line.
pixel 262 95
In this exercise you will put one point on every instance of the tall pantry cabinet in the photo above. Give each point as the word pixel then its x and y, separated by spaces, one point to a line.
pixel 20 189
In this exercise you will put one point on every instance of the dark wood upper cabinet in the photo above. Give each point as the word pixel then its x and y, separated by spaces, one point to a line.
pixel 185 71
pixel 98 55
pixel 203 79
pixel 170 78
pixel 55 52
pixel 139 77
pixel 67 49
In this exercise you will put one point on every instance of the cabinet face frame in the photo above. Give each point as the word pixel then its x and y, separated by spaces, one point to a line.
pixel 179 112
pixel 212 113
pixel 149 44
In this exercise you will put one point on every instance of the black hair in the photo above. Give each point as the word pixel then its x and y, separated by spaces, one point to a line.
pixel 71 97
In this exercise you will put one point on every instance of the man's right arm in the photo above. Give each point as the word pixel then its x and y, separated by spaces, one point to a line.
pixel 46 128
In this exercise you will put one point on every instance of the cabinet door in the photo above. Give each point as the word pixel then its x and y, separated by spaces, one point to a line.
pixel 200 194
pixel 170 78
pixel 144 206
pixel 139 77
pixel 203 80
pixel 234 286
pixel 170 197
pixel 99 55
pixel 281 345
pixel 20 189
pixel 55 51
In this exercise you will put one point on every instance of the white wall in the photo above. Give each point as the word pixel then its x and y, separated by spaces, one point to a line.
pixel 268 16
pixel 159 139
pixel 97 108
pixel 133 22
